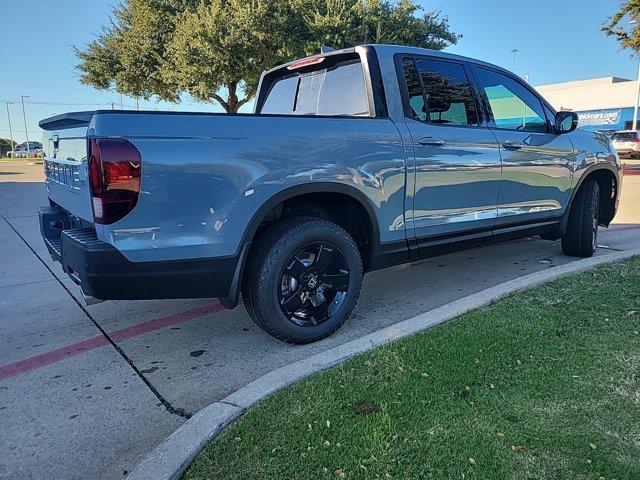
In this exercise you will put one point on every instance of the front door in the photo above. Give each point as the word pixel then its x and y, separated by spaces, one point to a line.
pixel 457 160
pixel 537 164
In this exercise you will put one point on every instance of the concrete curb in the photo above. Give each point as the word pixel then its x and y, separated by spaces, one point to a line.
pixel 170 459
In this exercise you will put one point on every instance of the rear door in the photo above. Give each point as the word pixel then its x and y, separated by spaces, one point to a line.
pixel 457 162
pixel 537 164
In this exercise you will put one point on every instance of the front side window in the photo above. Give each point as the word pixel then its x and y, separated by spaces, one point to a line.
pixel 449 98
pixel 513 106
pixel 339 90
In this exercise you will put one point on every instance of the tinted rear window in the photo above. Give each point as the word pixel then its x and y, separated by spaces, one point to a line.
pixel 339 90
pixel 625 136
pixel 447 91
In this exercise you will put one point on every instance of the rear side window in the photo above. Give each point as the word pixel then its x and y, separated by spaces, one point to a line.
pixel 448 98
pixel 513 106
pixel 414 90
pixel 625 136
pixel 339 90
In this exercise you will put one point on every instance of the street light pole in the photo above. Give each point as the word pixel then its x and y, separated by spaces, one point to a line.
pixel 513 63
pixel 10 130
pixel 635 105
pixel 24 117
pixel 634 125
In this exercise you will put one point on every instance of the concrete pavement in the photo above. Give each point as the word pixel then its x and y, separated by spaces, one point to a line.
pixel 75 405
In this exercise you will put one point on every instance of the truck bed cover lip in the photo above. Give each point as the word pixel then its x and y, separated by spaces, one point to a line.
pixel 79 119
pixel 67 120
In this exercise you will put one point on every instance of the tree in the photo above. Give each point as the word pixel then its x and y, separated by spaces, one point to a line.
pixel 623 29
pixel 345 23
pixel 226 44
pixel 215 50
pixel 6 145
pixel 127 55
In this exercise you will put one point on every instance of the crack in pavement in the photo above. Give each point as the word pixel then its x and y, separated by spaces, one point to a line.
pixel 606 247
pixel 25 283
pixel 167 405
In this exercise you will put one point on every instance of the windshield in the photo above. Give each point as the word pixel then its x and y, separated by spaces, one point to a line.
pixel 625 136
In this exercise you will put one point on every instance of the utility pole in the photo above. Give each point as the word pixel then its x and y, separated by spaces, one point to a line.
pixel 10 130
pixel 24 117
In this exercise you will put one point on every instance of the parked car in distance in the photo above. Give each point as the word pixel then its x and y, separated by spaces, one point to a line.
pixel 354 160
pixel 627 143
pixel 34 150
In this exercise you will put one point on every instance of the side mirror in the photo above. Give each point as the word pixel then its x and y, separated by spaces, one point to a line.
pixel 566 122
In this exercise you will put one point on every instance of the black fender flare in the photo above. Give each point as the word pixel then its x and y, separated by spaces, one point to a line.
pixel 231 301
pixel 308 188
pixel 586 174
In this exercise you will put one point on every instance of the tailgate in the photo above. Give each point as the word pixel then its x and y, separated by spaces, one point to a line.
pixel 65 163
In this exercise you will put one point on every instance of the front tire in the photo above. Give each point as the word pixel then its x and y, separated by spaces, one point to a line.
pixel 303 279
pixel 581 237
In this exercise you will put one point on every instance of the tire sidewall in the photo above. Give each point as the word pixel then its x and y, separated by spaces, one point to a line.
pixel 594 211
pixel 580 239
pixel 268 280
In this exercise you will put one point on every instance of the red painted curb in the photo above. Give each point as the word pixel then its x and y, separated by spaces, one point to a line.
pixel 633 169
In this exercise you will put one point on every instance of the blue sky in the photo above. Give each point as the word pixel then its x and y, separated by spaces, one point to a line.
pixel 557 41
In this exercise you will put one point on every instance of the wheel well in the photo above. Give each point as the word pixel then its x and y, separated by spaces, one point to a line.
pixel 608 193
pixel 340 208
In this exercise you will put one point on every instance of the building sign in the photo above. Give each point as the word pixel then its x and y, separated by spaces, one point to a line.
pixel 593 118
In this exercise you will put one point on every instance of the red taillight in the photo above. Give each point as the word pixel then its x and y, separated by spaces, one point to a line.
pixel 114 178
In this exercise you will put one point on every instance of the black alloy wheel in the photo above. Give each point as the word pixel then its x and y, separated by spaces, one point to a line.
pixel 313 284
pixel 302 279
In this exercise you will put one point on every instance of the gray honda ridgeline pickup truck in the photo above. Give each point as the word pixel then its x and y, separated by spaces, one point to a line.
pixel 354 160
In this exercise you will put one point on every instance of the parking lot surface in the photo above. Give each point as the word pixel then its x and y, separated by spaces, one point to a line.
pixel 85 392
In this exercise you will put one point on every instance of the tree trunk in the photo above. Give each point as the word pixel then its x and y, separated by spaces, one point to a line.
pixel 232 101
pixel 232 104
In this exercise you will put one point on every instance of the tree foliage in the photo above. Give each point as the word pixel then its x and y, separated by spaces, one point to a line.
pixel 215 50
pixel 344 23
pixel 6 145
pixel 227 44
pixel 625 25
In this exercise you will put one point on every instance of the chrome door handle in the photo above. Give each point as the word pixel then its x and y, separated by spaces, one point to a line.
pixel 431 142
pixel 511 145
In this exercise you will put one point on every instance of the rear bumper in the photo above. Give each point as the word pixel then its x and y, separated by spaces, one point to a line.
pixel 634 150
pixel 104 273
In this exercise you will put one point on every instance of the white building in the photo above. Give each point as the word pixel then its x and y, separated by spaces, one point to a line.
pixel 604 104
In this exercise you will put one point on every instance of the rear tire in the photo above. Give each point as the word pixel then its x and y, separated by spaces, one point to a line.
pixel 581 236
pixel 303 279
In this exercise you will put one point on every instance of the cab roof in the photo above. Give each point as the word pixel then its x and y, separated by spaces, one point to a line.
pixel 391 49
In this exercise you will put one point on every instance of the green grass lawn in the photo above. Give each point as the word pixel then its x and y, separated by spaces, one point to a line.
pixel 542 385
